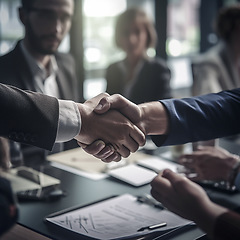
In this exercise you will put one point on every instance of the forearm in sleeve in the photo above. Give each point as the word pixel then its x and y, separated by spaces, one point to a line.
pixel 201 118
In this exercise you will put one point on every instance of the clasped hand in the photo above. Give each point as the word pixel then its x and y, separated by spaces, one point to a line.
pixel 119 135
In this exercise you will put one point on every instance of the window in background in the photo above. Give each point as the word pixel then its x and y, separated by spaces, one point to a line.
pixel 183 27
pixel 10 27
pixel 183 38
pixel 99 47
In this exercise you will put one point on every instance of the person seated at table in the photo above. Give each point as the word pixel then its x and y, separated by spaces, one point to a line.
pixel 138 77
pixel 218 68
pixel 36 64
pixel 212 163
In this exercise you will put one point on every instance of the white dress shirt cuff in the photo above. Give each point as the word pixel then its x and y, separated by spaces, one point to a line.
pixel 69 124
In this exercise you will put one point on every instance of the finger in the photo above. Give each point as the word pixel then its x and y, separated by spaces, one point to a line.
pixel 189 165
pixel 115 157
pixel 188 161
pixel 115 101
pixel 160 186
pixel 118 102
pixel 96 99
pixel 105 152
pixel 138 136
pixel 132 146
pixel 123 151
pixel 94 148
pixel 103 106
pixel 171 176
pixel 82 145
pixel 185 157
pixel 159 181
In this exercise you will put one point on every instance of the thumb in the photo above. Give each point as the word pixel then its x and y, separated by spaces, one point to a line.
pixel 115 101
pixel 121 104
pixel 171 176
pixel 103 106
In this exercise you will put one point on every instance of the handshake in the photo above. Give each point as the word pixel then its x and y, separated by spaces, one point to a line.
pixel 113 127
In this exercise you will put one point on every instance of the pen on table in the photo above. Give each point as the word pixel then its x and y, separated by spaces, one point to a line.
pixel 152 227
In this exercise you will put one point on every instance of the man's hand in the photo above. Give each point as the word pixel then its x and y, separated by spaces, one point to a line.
pixel 210 163
pixel 186 198
pixel 130 110
pixel 151 118
pixel 103 151
pixel 111 127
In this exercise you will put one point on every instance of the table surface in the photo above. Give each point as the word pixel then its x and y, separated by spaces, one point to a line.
pixel 82 191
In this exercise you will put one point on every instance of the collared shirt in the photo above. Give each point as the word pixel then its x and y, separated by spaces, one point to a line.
pixel 69 124
pixel 44 80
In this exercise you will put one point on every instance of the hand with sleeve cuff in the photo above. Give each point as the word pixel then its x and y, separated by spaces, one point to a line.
pixel 150 118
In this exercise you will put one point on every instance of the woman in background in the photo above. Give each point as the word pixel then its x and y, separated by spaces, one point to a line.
pixel 138 77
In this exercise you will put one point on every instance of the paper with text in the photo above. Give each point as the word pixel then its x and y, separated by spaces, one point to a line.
pixel 116 218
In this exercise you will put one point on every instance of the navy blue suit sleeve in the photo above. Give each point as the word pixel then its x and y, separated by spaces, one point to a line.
pixel 201 118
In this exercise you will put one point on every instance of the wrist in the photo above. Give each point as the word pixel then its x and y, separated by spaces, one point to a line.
pixel 84 113
pixel 154 118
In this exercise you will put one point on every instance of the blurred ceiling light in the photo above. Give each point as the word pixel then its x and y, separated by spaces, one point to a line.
pixel 151 52
pixel 174 47
pixel 104 8
pixel 92 54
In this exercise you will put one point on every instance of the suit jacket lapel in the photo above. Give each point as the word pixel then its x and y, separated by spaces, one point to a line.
pixel 26 80
pixel 61 84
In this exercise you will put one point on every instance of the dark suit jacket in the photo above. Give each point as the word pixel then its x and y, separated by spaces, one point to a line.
pixel 16 72
pixel 26 117
pixel 153 81
pixel 202 118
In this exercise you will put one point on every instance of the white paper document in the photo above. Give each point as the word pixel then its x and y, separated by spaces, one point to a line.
pixel 158 164
pixel 133 174
pixel 116 218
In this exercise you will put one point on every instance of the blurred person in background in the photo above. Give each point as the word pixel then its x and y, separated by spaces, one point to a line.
pixel 35 63
pixel 213 71
pixel 138 77
pixel 219 68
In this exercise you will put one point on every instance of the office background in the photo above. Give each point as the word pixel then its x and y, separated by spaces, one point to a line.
pixel 183 26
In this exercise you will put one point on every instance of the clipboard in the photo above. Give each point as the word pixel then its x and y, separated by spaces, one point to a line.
pixel 117 217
